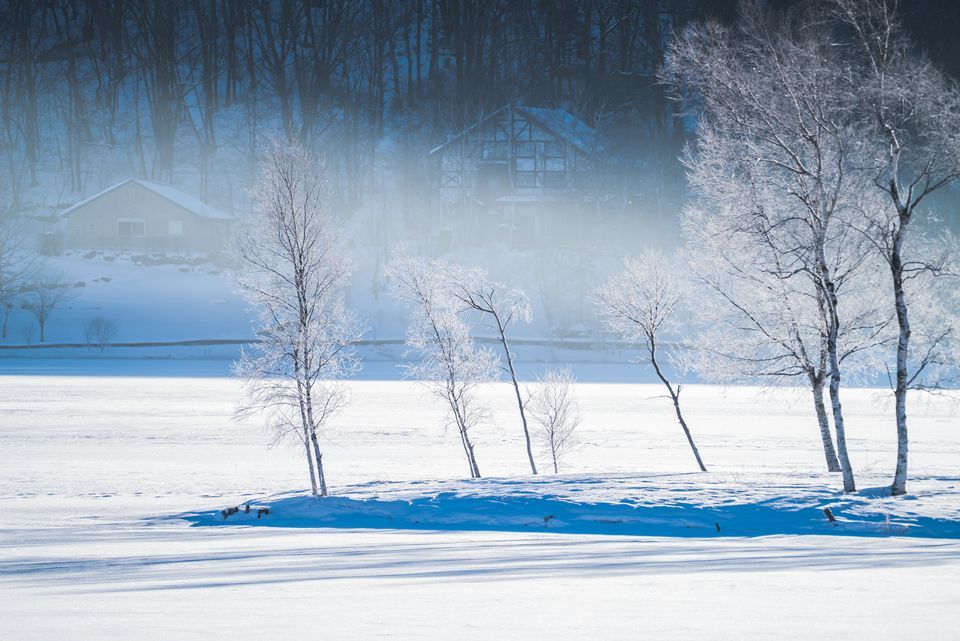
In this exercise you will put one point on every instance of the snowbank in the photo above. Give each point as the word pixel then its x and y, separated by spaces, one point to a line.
pixel 675 505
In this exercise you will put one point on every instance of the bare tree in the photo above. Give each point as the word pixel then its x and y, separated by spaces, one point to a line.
pixel 49 291
pixel 556 413
pixel 502 307
pixel 99 331
pixel 294 276
pixel 642 304
pixel 779 144
pixel 757 327
pixel 16 265
pixel 451 365
pixel 912 120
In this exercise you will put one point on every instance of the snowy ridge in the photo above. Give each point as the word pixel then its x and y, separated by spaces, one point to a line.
pixel 674 505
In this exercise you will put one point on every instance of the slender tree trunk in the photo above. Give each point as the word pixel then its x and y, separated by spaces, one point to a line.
pixel 553 454
pixel 899 485
pixel 306 447
pixel 467 451
pixel 43 326
pixel 304 421
pixel 458 415
pixel 308 402
pixel 833 330
pixel 321 477
pixel 675 396
pixel 833 464
pixel 473 460
pixel 849 484
pixel 516 389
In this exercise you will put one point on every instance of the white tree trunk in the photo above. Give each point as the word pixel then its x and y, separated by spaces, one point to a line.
pixel 899 485
pixel 516 389
pixel 833 463
pixel 675 397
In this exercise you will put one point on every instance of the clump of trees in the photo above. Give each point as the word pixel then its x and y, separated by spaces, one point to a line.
pixel 500 308
pixel 450 364
pixel 294 274
pixel 808 257
pixel 100 331
pixel 816 142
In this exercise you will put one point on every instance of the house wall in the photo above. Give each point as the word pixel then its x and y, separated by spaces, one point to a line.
pixel 531 161
pixel 101 223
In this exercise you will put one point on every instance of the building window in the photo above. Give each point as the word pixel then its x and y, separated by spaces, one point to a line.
pixel 129 228
pixel 175 228
pixel 496 151
pixel 526 150
pixel 525 164
pixel 92 227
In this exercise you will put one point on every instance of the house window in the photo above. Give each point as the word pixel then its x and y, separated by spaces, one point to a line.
pixel 175 228
pixel 130 227
pixel 526 164
pixel 496 151
pixel 92 227
pixel 526 150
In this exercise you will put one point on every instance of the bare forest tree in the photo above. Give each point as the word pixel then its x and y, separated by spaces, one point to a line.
pixel 450 364
pixel 911 116
pixel 556 414
pixel 643 304
pixel 294 275
pixel 48 291
pixel 99 331
pixel 501 308
pixel 17 264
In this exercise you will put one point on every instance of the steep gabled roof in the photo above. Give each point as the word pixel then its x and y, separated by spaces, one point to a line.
pixel 561 123
pixel 184 201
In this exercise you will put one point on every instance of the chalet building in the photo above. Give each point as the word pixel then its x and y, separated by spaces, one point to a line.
pixel 523 169
pixel 142 216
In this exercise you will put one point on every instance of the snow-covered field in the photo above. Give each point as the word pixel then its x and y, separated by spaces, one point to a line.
pixel 97 471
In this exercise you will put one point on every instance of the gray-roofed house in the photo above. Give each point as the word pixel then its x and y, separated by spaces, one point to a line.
pixel 138 215
pixel 517 164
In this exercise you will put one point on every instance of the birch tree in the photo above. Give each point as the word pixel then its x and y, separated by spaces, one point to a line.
pixel 555 413
pixel 294 275
pixel 450 364
pixel 912 121
pixel 779 146
pixel 502 308
pixel 642 304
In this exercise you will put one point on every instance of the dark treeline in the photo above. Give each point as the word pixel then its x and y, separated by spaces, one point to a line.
pixel 156 88
pixel 184 90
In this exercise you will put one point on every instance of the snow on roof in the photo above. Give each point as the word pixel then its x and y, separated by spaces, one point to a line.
pixel 193 205
pixel 566 125
pixel 560 122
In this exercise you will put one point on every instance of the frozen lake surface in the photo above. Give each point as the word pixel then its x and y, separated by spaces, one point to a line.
pixel 97 469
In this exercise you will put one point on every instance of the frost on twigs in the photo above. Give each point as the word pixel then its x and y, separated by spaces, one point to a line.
pixel 294 274
pixel 449 363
